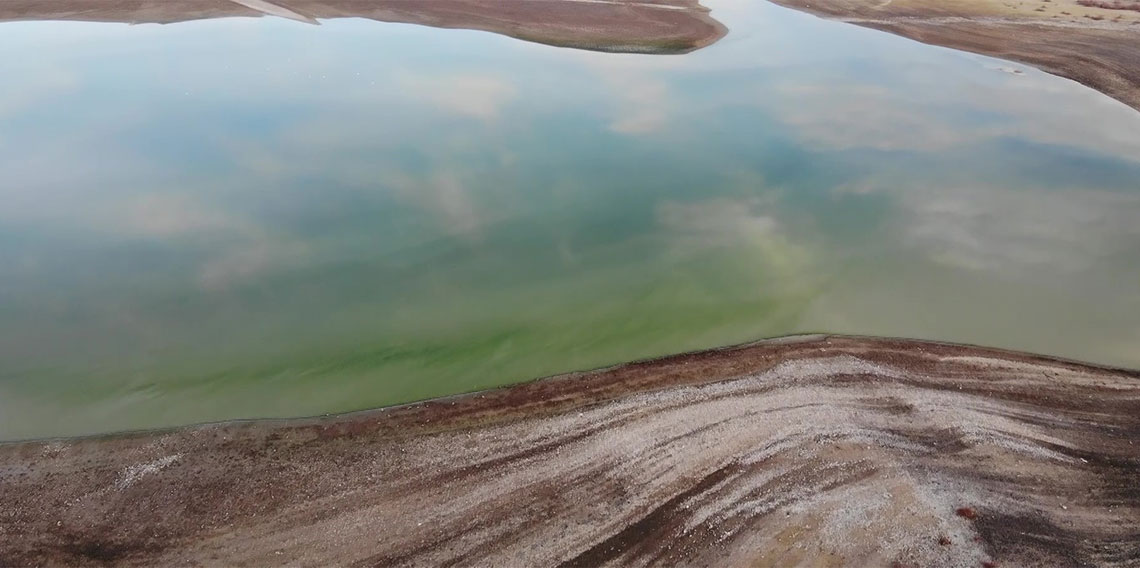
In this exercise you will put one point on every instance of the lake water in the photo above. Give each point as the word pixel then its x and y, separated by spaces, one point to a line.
pixel 259 217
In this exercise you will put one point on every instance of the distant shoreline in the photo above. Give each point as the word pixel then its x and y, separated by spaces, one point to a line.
pixel 628 26
pixel 1080 40
pixel 1093 42
pixel 729 456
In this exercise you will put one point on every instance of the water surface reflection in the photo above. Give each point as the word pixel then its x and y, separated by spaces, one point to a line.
pixel 235 218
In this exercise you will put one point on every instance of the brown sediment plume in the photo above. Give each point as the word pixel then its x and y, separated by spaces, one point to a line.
pixel 819 451
pixel 640 26
pixel 1094 43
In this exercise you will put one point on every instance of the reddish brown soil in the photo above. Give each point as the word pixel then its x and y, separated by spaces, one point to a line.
pixel 1094 45
pixel 650 26
pixel 1114 5
pixel 819 451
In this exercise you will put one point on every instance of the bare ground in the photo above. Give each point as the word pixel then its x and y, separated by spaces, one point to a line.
pixel 1096 43
pixel 819 451
pixel 648 26
pixel 1095 46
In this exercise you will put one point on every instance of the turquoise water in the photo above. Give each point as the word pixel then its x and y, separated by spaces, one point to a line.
pixel 250 218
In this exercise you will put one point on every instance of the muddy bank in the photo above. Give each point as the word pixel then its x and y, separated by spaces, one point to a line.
pixel 642 26
pixel 1089 41
pixel 814 451
pixel 1094 42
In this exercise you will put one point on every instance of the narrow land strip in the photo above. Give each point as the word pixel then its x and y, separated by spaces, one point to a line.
pixel 1081 40
pixel 1094 42
pixel 642 26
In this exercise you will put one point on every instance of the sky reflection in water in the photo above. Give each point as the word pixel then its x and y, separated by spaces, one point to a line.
pixel 238 218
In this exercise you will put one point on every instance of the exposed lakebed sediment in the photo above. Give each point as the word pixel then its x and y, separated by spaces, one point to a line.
pixel 1093 43
pixel 641 26
pixel 816 450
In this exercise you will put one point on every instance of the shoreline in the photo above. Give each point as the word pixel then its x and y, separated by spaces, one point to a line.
pixel 1095 46
pixel 349 415
pixel 812 450
pixel 635 463
pixel 631 26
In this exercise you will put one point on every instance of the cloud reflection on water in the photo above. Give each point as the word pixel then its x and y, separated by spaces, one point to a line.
pixel 340 206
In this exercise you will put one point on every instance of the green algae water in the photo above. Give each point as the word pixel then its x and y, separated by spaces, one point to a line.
pixel 244 218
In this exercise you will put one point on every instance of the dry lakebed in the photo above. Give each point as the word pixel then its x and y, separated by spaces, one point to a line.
pixel 813 451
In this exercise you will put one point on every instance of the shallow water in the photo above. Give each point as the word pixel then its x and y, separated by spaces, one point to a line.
pixel 259 217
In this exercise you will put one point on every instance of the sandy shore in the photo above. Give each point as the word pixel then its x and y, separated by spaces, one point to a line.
pixel 642 26
pixel 1081 40
pixel 819 451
